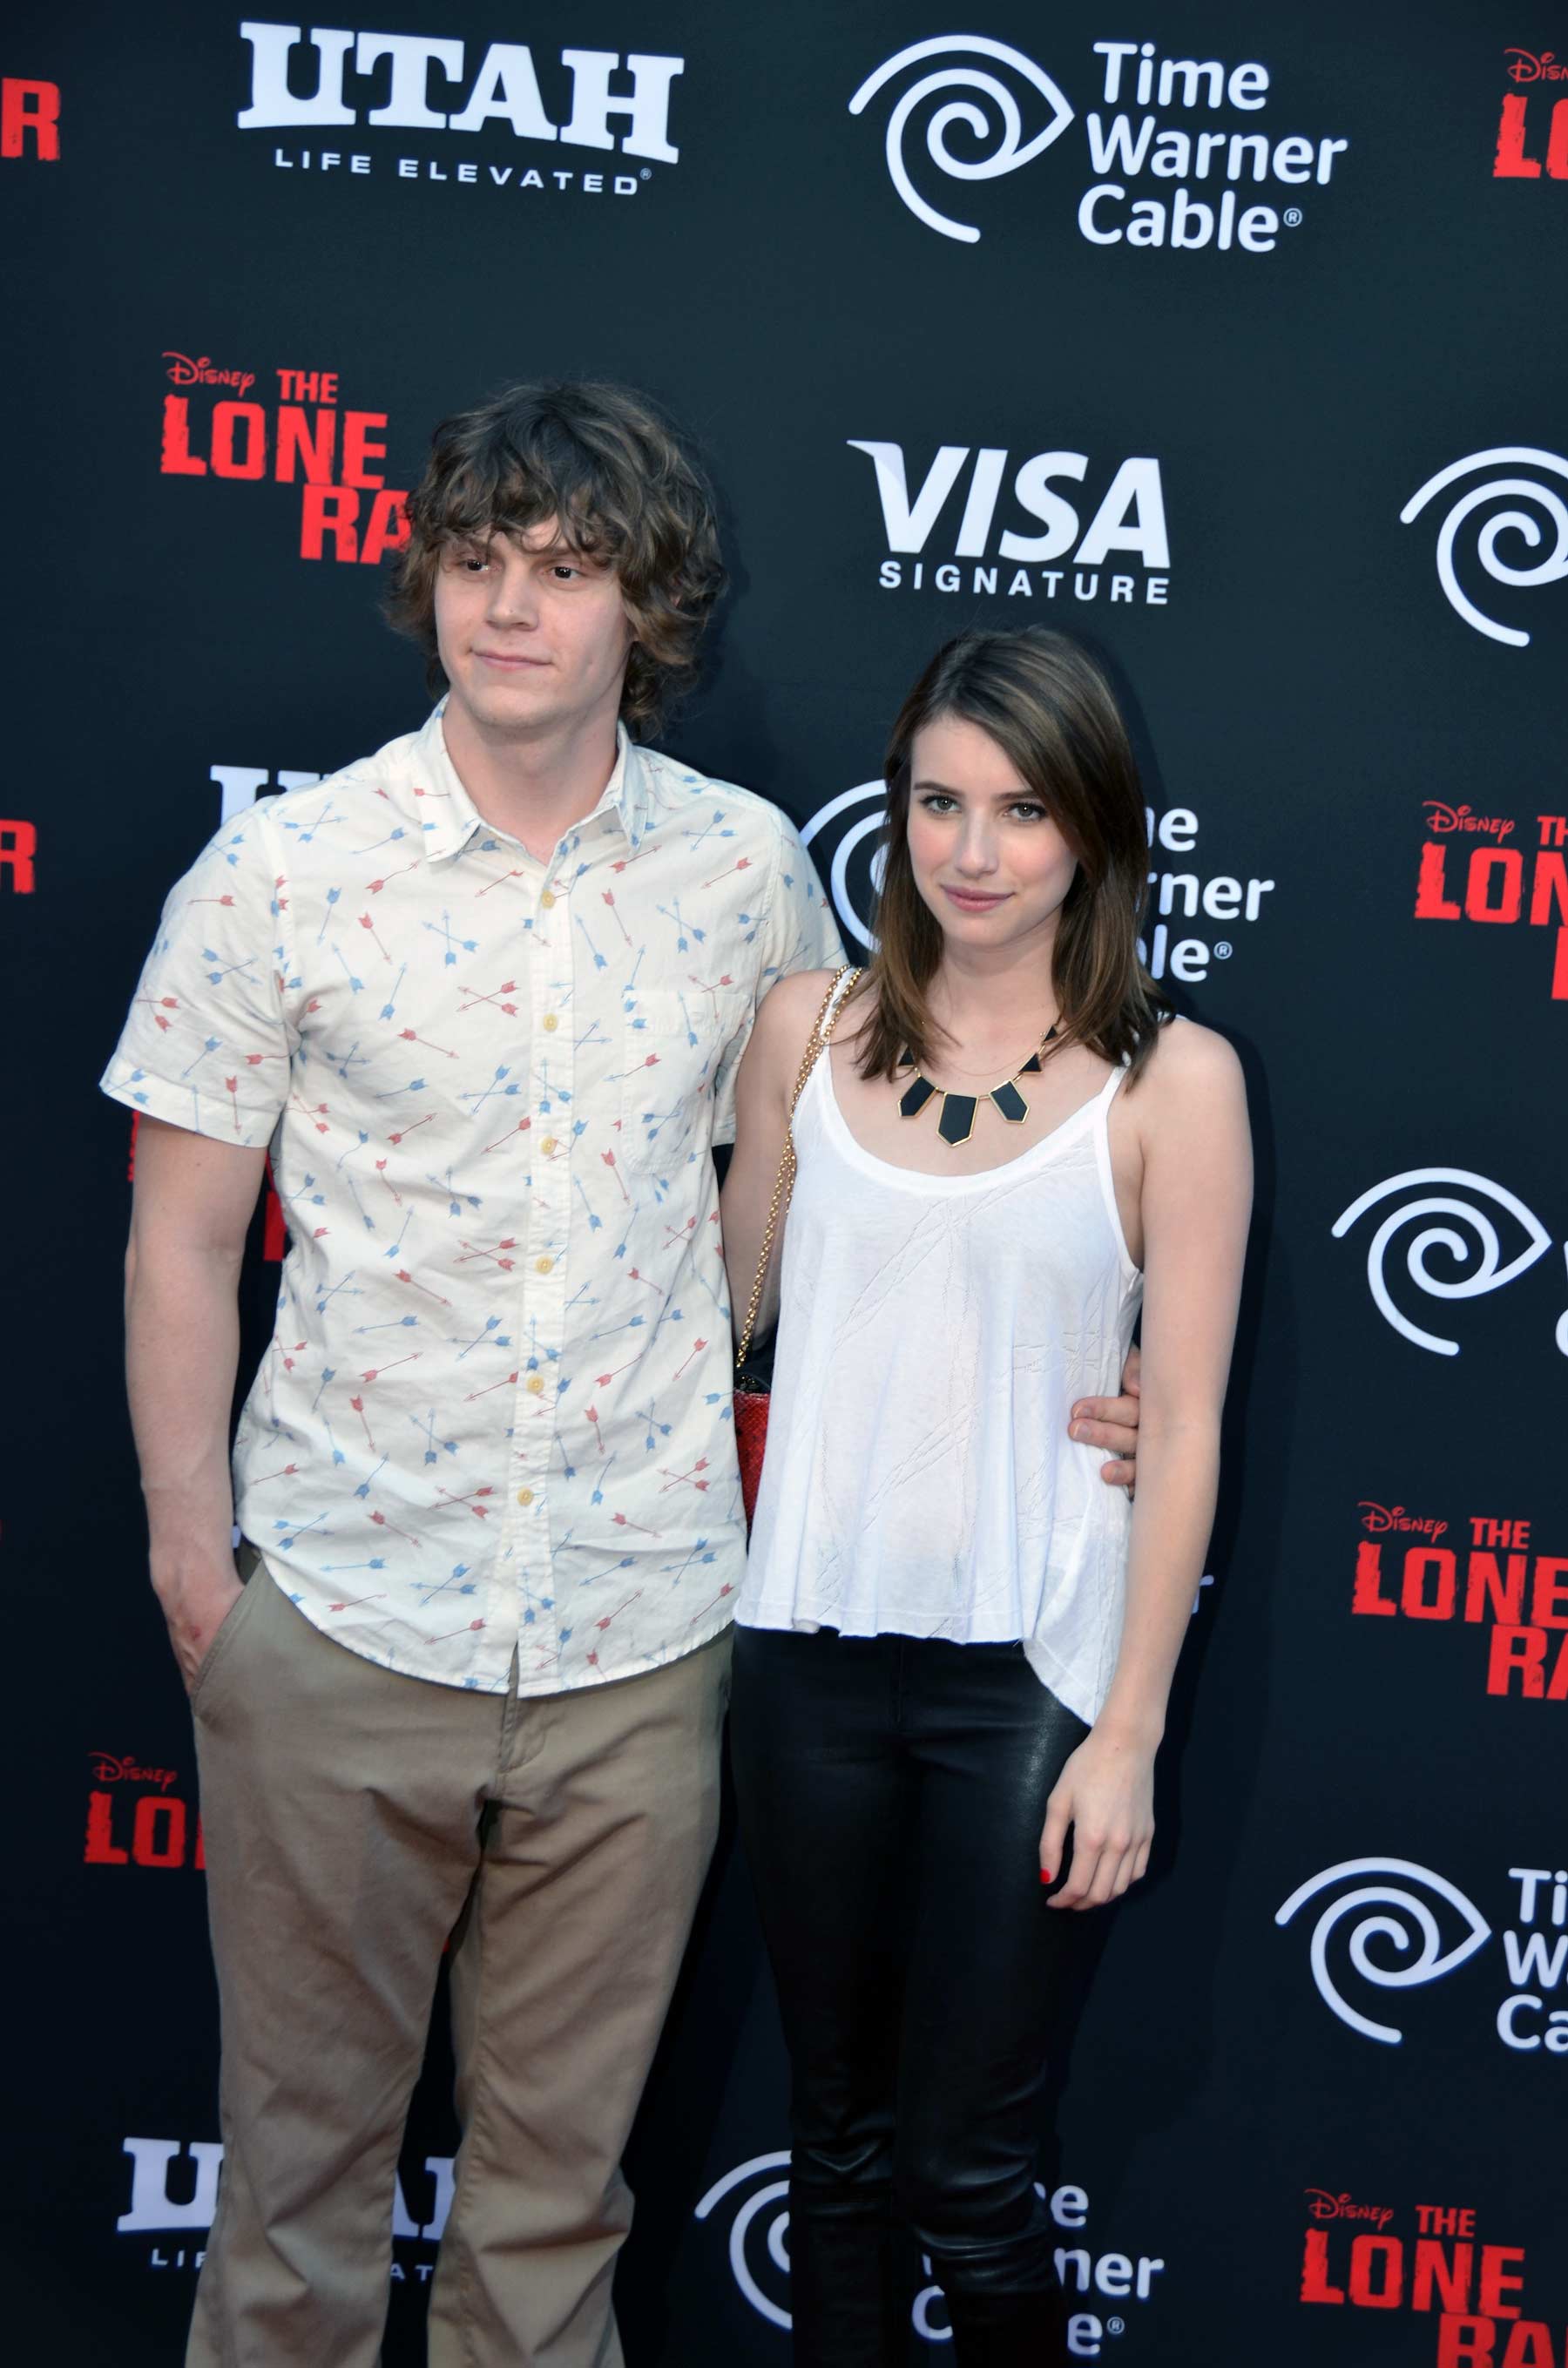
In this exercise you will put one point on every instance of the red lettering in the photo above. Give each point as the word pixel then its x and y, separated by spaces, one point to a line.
pixel 1442 1567
pixel 1511 164
pixel 329 510
pixel 178 461
pixel 18 845
pixel 358 448
pixel 1488 863
pixel 1431 902
pixel 1549 888
pixel 1557 1690
pixel 388 529
pixel 1548 1599
pixel 1560 969
pixel 1465 2342
pixel 146 1847
pixel 1519 1652
pixel 1556 146
pixel 299 442
pixel 1368 1596
pixel 1495 2277
pixel 1366 2254
pixel 1434 2267
pixel 101 1848
pixel 1315 2286
pixel 1482 1578
pixel 226 419
pixel 1529 2346
pixel 30 107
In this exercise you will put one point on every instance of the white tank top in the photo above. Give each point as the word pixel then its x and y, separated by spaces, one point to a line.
pixel 933 1333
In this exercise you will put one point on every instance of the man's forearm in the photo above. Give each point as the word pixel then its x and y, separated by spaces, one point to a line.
pixel 182 1352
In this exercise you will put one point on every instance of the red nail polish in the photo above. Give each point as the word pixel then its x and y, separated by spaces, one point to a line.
pixel 1045 1874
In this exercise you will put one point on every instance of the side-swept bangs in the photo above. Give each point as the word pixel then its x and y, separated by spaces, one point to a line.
pixel 1053 714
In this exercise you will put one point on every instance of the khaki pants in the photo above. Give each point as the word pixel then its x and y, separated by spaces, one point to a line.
pixel 351 1818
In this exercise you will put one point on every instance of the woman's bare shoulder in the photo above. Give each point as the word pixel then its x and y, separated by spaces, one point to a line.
pixel 1191 1068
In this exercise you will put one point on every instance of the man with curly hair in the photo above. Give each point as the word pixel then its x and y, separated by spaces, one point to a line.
pixel 483 995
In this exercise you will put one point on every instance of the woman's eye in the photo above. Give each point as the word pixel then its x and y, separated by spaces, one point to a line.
pixel 935 804
pixel 1031 810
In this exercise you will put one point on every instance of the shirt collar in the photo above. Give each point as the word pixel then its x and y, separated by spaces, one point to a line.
pixel 448 818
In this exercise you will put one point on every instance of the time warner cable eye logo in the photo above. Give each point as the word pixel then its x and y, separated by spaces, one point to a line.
pixel 1551 568
pixel 1011 150
pixel 1480 1240
pixel 1397 1921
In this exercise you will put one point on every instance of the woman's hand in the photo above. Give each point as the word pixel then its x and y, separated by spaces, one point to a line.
pixel 1106 1793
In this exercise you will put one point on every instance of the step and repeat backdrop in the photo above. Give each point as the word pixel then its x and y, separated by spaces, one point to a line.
pixel 1230 337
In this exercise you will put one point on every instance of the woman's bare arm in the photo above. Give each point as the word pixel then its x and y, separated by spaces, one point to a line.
pixel 1196 1200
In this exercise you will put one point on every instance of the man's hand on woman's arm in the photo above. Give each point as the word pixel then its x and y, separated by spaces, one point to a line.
pixel 1112 1423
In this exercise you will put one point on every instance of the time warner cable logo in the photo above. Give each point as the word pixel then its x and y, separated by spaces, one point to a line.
pixel 1468 1207
pixel 1401 1924
pixel 1503 480
pixel 1190 122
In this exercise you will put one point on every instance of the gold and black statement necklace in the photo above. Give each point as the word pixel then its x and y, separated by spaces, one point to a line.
pixel 955 1123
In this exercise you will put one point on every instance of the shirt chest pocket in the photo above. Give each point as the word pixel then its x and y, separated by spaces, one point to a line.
pixel 676 1042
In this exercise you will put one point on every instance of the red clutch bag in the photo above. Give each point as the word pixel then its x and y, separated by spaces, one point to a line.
pixel 751 1442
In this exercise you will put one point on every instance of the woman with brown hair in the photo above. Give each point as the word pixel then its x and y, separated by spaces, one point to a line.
pixel 954 1644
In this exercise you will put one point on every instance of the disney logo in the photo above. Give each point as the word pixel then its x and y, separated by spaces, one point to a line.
pixel 200 372
pixel 110 1769
pixel 1529 68
pixel 1443 818
pixel 1322 2205
pixel 1377 1519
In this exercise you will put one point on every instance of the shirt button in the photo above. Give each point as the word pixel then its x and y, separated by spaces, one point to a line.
pixel 548 900
pixel 542 1266
pixel 535 1386
pixel 549 1145
pixel 549 1023
pixel 525 1496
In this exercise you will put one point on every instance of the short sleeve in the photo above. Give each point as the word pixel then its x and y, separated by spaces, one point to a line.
pixel 798 932
pixel 206 1044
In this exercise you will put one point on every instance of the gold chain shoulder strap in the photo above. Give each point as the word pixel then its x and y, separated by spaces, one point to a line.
pixel 784 1184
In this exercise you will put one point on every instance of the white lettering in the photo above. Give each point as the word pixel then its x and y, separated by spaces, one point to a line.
pixel 908 526
pixel 648 107
pixel 1115 150
pixel 1032 488
pixel 1528 1959
pixel 271 100
pixel 980 506
pixel 1131 517
pixel 507 86
pixel 412 58
pixel 150 2204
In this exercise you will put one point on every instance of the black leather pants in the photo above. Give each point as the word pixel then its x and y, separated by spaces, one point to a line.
pixel 892 1793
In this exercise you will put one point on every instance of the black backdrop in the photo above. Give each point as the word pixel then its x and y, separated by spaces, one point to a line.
pixel 1318 2116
